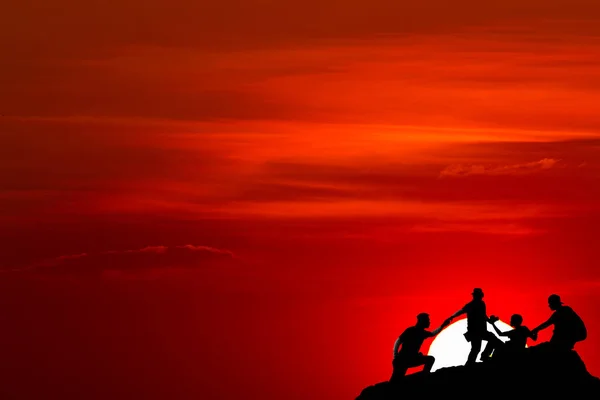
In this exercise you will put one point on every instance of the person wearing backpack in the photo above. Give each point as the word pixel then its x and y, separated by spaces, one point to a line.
pixel 568 326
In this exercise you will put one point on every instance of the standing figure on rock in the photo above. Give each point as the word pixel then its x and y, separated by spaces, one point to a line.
pixel 568 326
pixel 477 320
pixel 408 344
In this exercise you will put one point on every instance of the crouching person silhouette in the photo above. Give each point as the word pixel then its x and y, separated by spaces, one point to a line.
pixel 517 338
pixel 569 328
pixel 408 344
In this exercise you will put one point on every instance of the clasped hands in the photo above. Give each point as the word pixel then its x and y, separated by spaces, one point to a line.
pixel 492 319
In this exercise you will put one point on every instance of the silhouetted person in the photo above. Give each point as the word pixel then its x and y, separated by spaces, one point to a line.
pixel 477 320
pixel 568 326
pixel 517 337
pixel 408 344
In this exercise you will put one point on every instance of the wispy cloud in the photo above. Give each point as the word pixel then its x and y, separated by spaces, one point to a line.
pixel 484 227
pixel 459 170
pixel 208 249
pixel 147 249
pixel 157 256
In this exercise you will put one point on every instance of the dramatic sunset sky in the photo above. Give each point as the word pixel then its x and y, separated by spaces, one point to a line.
pixel 252 199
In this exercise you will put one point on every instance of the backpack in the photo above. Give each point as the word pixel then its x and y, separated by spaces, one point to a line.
pixel 579 329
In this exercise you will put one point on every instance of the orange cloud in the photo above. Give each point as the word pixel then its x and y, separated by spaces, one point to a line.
pixel 411 209
pixel 514 169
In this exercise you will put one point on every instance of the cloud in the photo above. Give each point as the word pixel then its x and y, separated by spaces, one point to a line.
pixel 484 227
pixel 457 81
pixel 409 210
pixel 147 249
pixel 208 249
pixel 157 257
pixel 459 170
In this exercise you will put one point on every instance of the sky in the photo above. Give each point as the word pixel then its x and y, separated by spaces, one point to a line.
pixel 227 199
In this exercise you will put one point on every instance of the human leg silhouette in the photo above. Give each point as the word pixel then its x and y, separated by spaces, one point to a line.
pixel 428 363
pixel 401 365
pixel 475 349
pixel 493 342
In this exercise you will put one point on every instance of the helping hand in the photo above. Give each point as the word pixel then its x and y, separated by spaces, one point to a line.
pixel 493 319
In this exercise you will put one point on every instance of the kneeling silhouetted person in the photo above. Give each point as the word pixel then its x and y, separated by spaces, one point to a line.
pixel 408 344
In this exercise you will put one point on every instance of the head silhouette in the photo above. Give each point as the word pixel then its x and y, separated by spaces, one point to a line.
pixel 516 320
pixel 554 302
pixel 423 320
pixel 477 293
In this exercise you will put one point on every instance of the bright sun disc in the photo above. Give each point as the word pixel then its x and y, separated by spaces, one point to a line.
pixel 450 348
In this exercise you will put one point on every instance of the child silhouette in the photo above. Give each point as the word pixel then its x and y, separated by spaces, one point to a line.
pixel 517 337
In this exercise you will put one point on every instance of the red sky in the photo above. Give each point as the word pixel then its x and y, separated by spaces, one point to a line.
pixel 229 200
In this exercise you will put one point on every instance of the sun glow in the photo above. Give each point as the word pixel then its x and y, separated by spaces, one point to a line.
pixel 450 348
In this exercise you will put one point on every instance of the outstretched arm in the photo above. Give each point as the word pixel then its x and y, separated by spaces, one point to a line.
pixel 439 329
pixel 542 326
pixel 498 331
pixel 456 314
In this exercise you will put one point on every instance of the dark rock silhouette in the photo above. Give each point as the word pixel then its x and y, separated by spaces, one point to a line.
pixel 538 372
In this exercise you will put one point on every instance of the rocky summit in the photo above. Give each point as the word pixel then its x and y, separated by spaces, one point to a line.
pixel 538 372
